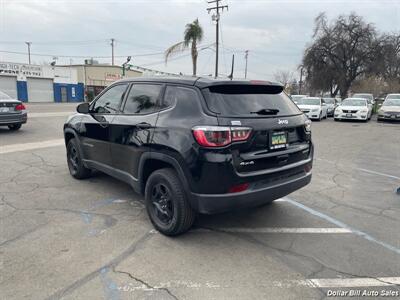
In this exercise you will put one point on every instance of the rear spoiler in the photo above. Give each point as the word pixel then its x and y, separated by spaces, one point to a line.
pixel 257 88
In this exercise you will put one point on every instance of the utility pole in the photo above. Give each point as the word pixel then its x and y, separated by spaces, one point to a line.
pixel 245 69
pixel 29 51
pixel 301 79
pixel 112 51
pixel 215 17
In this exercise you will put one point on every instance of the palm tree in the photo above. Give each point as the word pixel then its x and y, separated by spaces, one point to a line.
pixel 193 34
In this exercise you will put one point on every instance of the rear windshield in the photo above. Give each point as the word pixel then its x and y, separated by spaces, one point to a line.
pixel 248 100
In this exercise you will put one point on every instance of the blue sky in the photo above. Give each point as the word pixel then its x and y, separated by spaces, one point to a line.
pixel 275 32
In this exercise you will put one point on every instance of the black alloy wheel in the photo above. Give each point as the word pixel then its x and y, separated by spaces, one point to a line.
pixel 162 203
pixel 74 160
pixel 167 203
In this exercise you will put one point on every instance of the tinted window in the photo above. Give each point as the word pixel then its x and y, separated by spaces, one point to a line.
pixel 239 100
pixel 142 99
pixel 110 101
pixel 173 94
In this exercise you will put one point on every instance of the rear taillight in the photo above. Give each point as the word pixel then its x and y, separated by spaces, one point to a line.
pixel 219 136
pixel 20 107
pixel 238 188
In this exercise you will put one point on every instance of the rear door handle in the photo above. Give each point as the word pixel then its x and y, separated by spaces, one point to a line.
pixel 143 125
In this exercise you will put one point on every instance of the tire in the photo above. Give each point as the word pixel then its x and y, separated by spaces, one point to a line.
pixel 75 163
pixel 320 117
pixel 336 120
pixel 167 203
pixel 14 127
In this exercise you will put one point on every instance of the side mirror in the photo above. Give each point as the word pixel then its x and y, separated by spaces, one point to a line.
pixel 83 108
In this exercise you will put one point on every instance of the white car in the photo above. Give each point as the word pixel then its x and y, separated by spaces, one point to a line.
pixel 392 96
pixel 390 109
pixel 353 109
pixel 313 107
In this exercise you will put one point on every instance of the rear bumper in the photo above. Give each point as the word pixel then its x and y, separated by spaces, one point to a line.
pixel 393 117
pixel 257 195
pixel 9 119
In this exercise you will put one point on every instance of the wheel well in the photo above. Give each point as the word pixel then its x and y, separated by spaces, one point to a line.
pixel 68 137
pixel 149 167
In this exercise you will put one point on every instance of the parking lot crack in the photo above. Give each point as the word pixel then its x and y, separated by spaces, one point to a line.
pixel 289 251
pixel 145 284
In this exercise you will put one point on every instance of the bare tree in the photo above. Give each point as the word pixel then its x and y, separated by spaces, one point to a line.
pixel 341 52
pixel 284 77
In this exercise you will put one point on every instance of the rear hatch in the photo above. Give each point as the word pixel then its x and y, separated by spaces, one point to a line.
pixel 278 137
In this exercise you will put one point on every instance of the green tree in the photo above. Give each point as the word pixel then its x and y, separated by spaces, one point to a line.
pixel 193 34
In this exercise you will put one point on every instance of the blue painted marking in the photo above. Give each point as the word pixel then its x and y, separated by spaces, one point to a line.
pixel 87 217
pixel 110 287
pixel 343 225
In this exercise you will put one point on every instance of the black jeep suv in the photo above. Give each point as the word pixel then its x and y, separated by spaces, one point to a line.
pixel 193 144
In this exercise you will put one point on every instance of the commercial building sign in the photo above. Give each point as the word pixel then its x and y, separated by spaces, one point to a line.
pixel 112 77
pixel 19 70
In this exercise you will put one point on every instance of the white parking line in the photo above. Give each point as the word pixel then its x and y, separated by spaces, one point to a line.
pixel 30 146
pixel 311 283
pixel 377 173
pixel 50 114
pixel 363 170
pixel 343 225
pixel 353 282
pixel 278 230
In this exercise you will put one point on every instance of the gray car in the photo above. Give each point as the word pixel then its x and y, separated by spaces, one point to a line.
pixel 12 112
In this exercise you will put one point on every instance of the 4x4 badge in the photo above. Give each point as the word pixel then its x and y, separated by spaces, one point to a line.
pixel 280 122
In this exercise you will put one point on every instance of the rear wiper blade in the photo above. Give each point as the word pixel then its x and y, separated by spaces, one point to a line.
pixel 266 111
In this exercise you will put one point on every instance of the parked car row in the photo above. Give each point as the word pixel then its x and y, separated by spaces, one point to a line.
pixel 358 107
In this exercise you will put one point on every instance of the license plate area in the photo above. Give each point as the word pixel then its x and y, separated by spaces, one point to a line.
pixel 278 140
pixel 349 115
pixel 4 109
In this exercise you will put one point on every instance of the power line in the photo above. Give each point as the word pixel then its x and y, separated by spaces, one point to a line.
pixel 80 56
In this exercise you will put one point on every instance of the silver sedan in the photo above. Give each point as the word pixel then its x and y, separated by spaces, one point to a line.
pixel 12 112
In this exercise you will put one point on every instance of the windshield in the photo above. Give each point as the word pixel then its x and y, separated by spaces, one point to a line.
pixel 329 100
pixel 309 101
pixel 354 102
pixel 249 100
pixel 393 96
pixel 392 102
pixel 364 96
pixel 4 96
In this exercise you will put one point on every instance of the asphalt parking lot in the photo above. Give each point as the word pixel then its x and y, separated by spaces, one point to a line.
pixel 61 238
